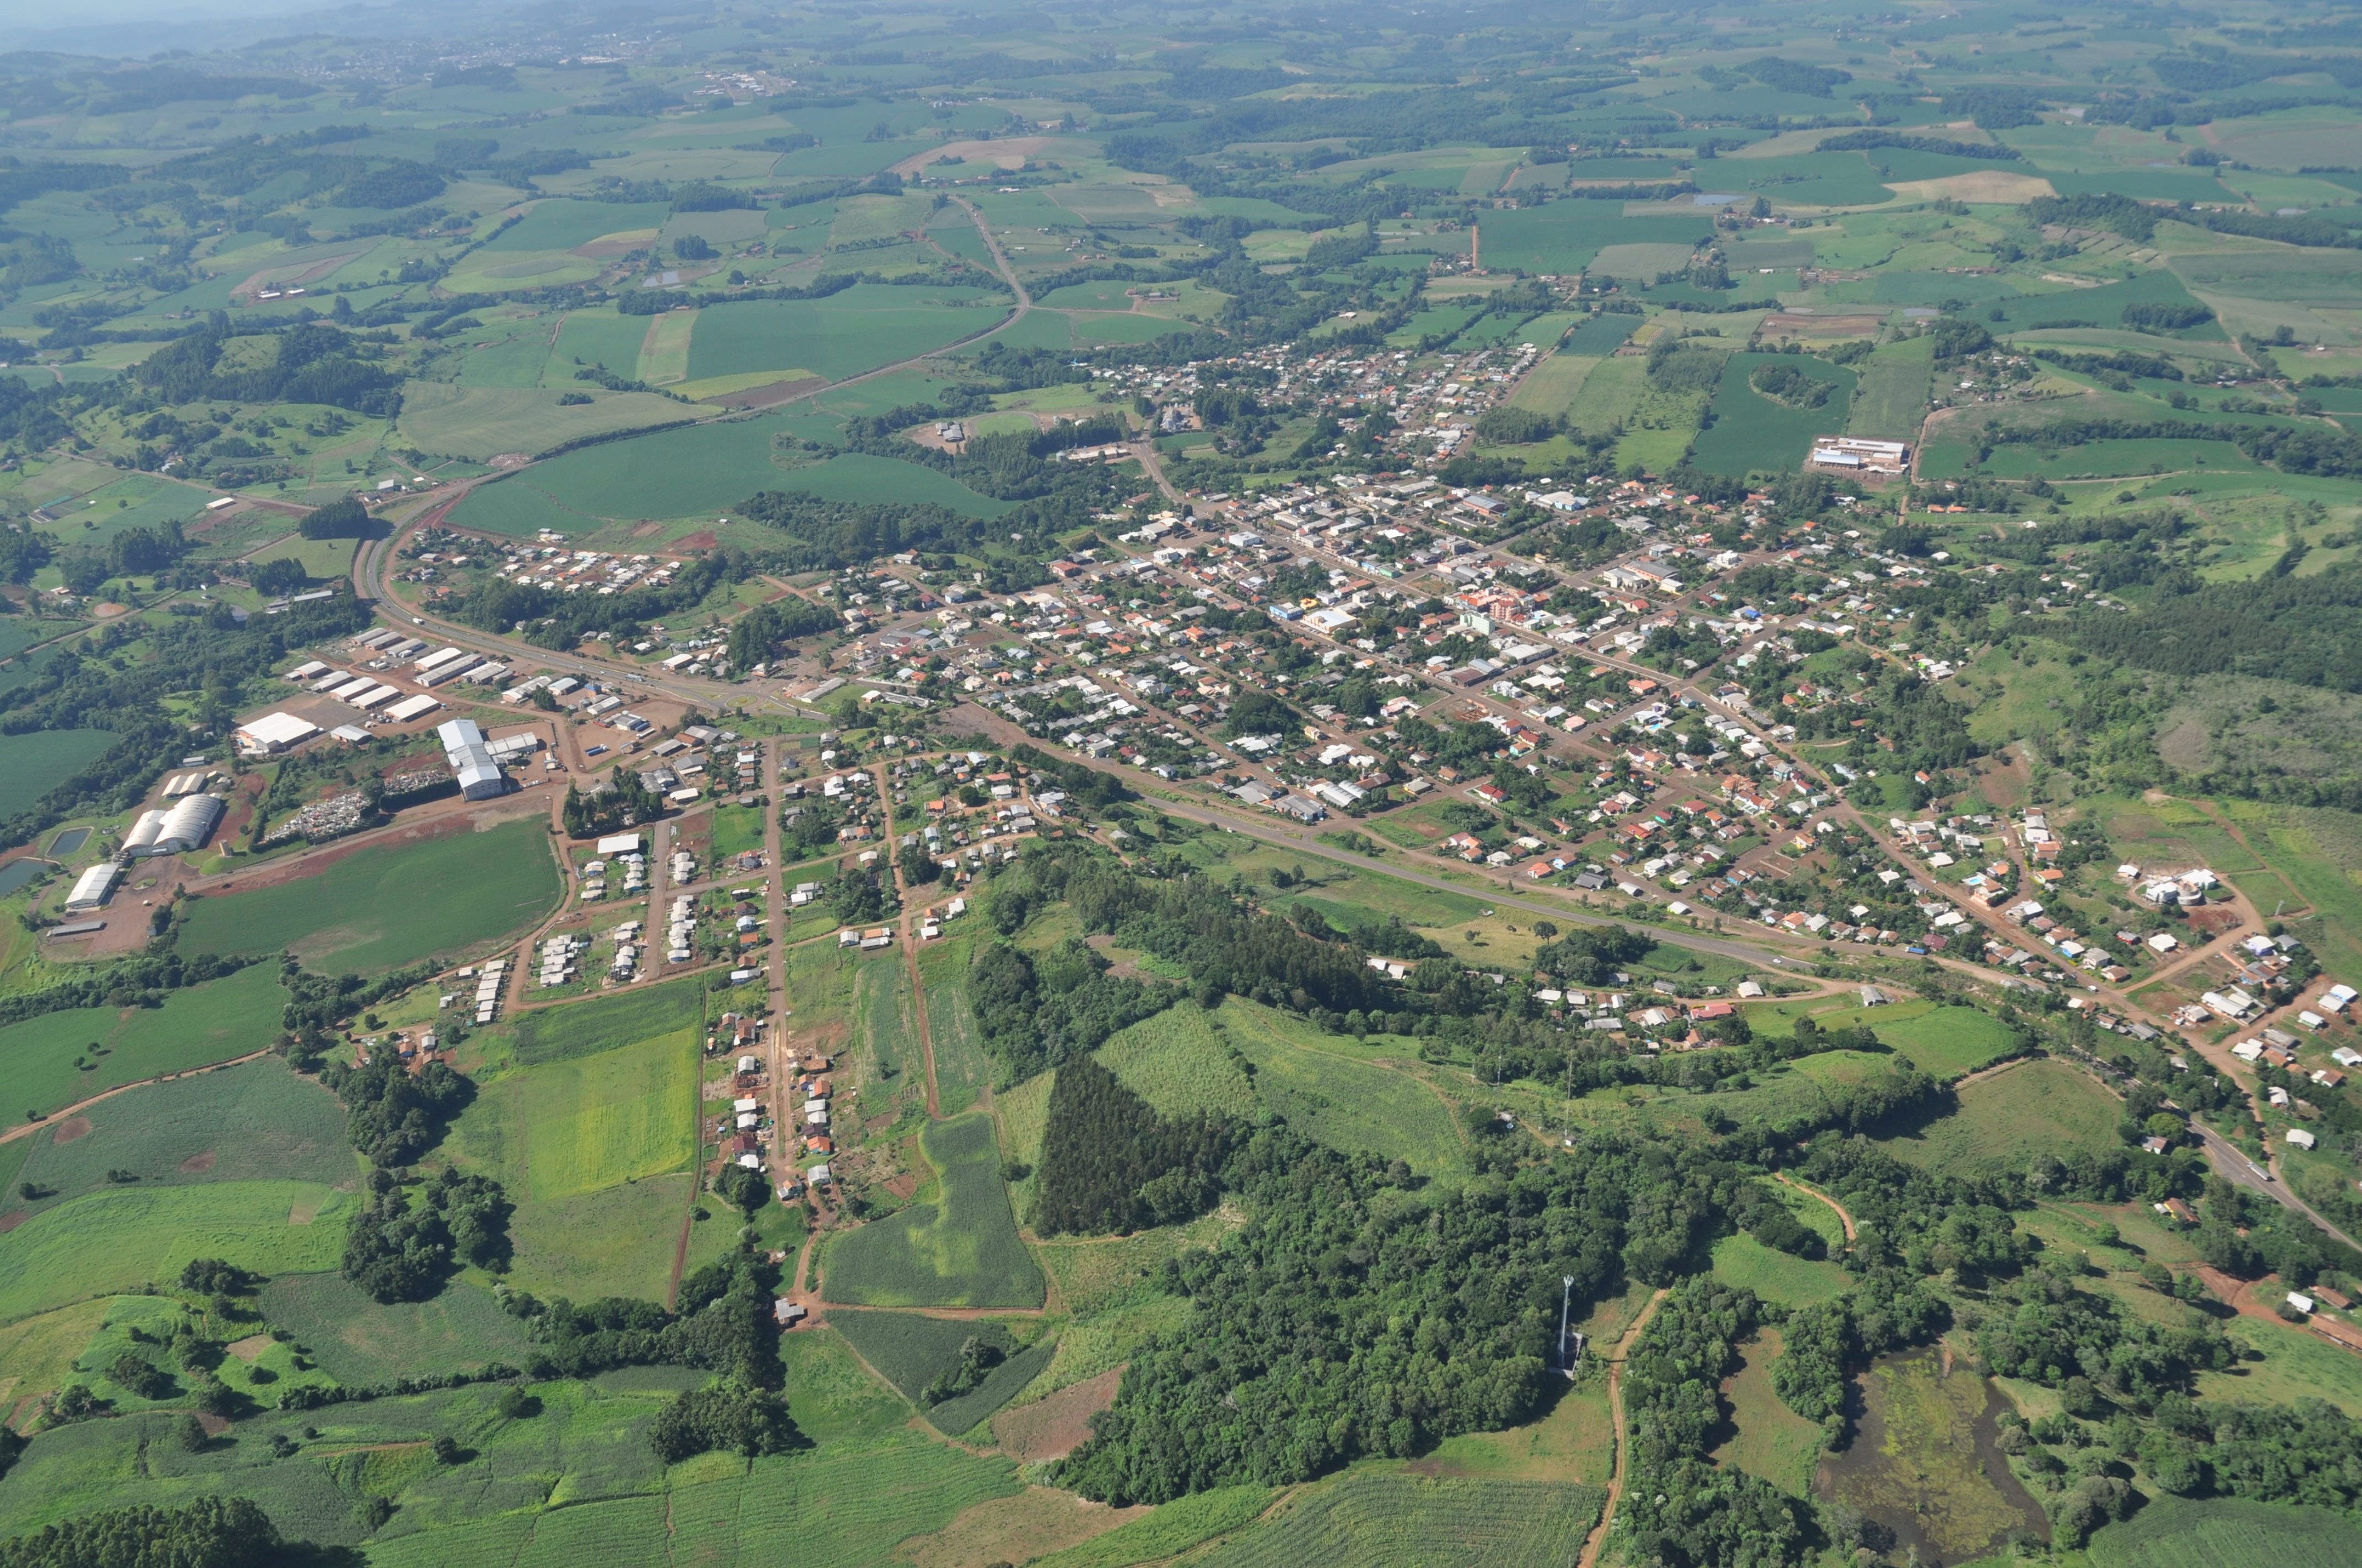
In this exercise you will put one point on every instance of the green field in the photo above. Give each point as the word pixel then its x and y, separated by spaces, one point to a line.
pixel 480 422
pixel 861 476
pixel 1890 403
pixel 562 224
pixel 1775 1276
pixel 602 1023
pixel 960 1250
pixel 388 905
pixel 356 1339
pixel 2036 1107
pixel 615 1241
pixel 1752 432
pixel 910 1350
pixel 1347 1103
pixel 963 1070
pixel 1179 1064
pixel 1767 1439
pixel 587 1123
pixel 124 1237
pixel 254 1122
pixel 1945 1041
pixel 1387 1520
pixel 32 765
pixel 2225 1532
pixel 212 1022
pixel 861 329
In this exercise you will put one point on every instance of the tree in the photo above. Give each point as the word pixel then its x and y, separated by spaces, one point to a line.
pixel 344 519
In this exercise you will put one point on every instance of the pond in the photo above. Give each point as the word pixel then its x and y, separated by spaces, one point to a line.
pixel 17 873
pixel 1925 1461
pixel 70 840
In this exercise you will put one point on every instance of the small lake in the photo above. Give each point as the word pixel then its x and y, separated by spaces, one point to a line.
pixel 1925 1463
pixel 70 840
pixel 17 873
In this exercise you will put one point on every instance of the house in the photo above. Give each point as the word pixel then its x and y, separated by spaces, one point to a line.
pixel 1872 997
pixel 2300 1138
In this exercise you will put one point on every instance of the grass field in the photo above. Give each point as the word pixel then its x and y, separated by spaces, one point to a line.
pixel 483 422
pixel 124 1237
pixel 358 1340
pixel 859 329
pixel 1344 1102
pixel 255 1123
pixel 1179 1064
pixel 38 1353
pixel 1945 1041
pixel 2038 1108
pixel 1392 1520
pixel 200 1024
pixel 1752 432
pixel 960 1250
pixel 1776 1276
pixel 384 906
pixel 2225 1532
pixel 585 1123
pixel 1551 386
pixel 1769 1440
pixel 33 764
pixel 702 468
pixel 561 224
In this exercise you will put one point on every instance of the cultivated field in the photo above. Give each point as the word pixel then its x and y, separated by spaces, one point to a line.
pixel 124 1237
pixel 1392 1520
pixel 960 1250
pixel 2224 1532
pixel 356 1339
pixel 386 905
pixel 61 1057
pixel 33 764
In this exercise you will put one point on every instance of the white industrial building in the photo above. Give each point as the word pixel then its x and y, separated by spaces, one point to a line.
pixel 274 732
pixel 94 887
pixel 470 760
pixel 175 831
pixel 1852 454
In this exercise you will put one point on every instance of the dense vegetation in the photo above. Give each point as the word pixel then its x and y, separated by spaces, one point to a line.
pixel 406 1240
pixel 1111 1162
pixel 207 1532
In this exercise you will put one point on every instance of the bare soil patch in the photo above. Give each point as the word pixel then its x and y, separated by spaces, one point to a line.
pixel 769 392
pixel 249 1349
pixel 198 1163
pixel 1035 1522
pixel 1054 1427
pixel 14 1218
pixel 71 1127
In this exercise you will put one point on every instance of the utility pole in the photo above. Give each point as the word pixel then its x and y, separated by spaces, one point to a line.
pixel 1566 1302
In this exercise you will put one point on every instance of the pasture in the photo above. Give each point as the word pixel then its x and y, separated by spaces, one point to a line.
pixel 123 1238
pixel 2225 1532
pixel 34 764
pixel 1946 1041
pixel 588 1123
pixel 960 1249
pixel 963 1070
pixel 1777 1276
pixel 61 1057
pixel 356 1339
pixel 700 469
pixel 1379 1518
pixel 390 904
pixel 2029 1110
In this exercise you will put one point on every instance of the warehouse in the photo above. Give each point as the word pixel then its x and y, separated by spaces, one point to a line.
pixel 94 887
pixel 185 827
pixel 411 708
pixel 274 732
pixel 470 760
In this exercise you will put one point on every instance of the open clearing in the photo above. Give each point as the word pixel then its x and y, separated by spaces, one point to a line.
pixel 123 1238
pixel 2006 1121
pixel 356 1339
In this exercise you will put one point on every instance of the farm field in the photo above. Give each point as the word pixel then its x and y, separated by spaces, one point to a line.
pixel 1179 1062
pixel 963 1069
pixel 1753 432
pixel 121 1239
pixel 1385 1519
pixel 959 1250
pixel 33 764
pixel 480 422
pixel 58 1058
pixel 386 905
pixel 860 329
pixel 2225 1533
